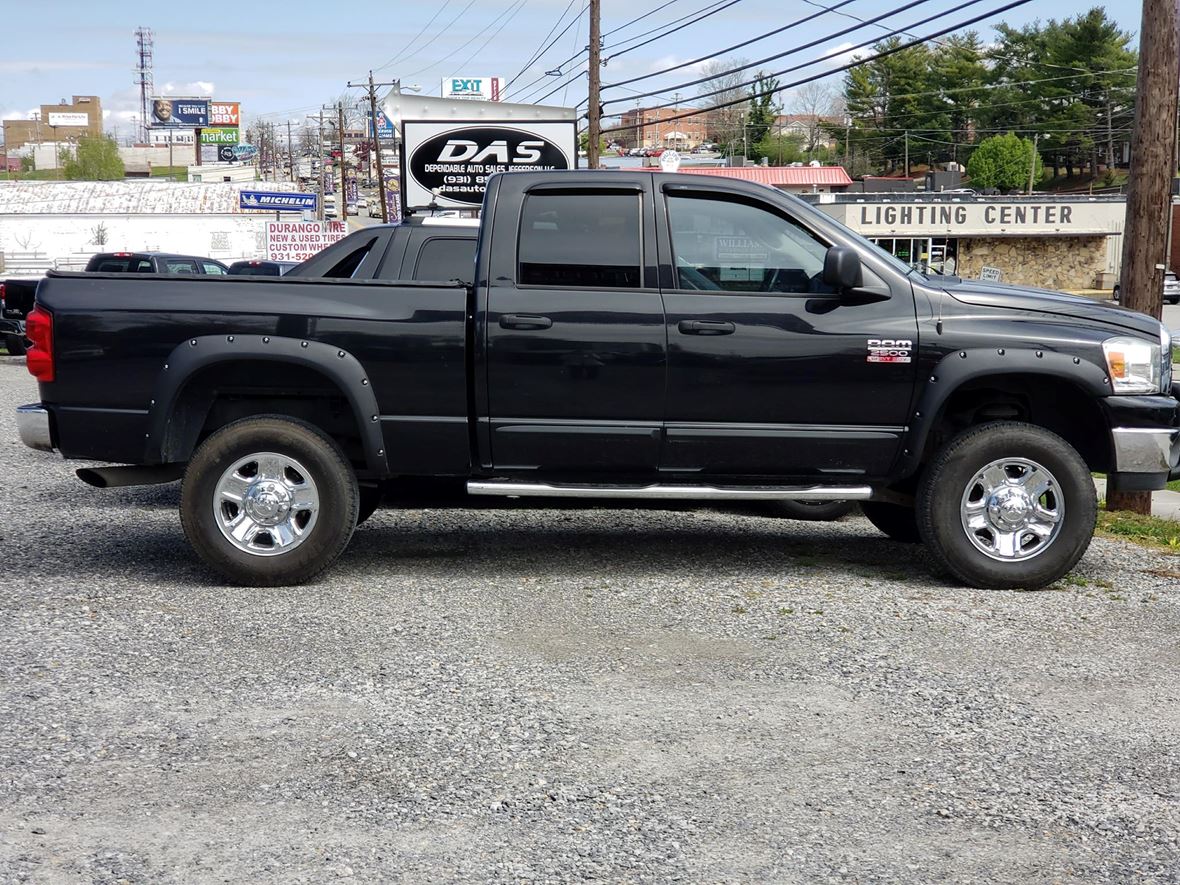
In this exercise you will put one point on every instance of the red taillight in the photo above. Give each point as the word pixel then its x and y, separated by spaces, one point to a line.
pixel 39 331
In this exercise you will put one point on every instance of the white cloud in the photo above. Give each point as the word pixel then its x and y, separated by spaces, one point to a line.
pixel 21 115
pixel 37 66
pixel 671 61
pixel 196 87
pixel 841 55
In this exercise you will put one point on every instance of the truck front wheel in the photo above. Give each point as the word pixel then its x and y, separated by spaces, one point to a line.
pixel 269 501
pixel 1007 505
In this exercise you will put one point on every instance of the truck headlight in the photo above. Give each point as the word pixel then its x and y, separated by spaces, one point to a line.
pixel 1134 365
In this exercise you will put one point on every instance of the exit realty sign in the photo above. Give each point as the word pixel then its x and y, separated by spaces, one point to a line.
pixel 477 88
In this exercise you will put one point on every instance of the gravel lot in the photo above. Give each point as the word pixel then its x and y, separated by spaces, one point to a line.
pixel 558 695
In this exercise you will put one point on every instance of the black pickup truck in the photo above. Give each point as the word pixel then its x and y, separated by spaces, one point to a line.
pixel 619 335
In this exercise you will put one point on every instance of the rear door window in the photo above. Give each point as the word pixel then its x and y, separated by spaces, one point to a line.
pixel 179 265
pixel 210 267
pixel 446 258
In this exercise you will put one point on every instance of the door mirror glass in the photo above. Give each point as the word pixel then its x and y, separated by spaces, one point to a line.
pixel 842 269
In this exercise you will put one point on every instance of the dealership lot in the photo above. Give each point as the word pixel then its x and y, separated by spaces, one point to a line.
pixel 551 694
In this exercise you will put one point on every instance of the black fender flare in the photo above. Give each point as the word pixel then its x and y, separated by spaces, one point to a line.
pixel 960 366
pixel 195 354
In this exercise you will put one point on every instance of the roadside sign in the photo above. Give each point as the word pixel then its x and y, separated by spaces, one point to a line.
pixel 224 113
pixel 448 163
pixel 477 88
pixel 68 118
pixel 670 161
pixel 299 240
pixel 991 274
pixel 170 112
pixel 276 202
pixel 219 136
pixel 384 126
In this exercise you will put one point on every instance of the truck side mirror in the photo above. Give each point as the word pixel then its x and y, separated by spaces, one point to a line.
pixel 842 269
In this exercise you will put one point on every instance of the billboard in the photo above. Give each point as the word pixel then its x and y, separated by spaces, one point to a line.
pixel 384 126
pixel 68 118
pixel 169 112
pixel 224 113
pixel 299 240
pixel 476 88
pixel 271 201
pixel 173 136
pixel 219 136
pixel 449 162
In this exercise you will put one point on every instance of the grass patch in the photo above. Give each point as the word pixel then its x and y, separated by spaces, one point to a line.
pixel 1150 531
pixel 175 171
pixel 32 175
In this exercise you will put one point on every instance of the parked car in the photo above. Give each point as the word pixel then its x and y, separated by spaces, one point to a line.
pixel 643 336
pixel 362 203
pixel 374 209
pixel 1171 289
pixel 153 262
pixel 16 300
pixel 259 268
pixel 351 209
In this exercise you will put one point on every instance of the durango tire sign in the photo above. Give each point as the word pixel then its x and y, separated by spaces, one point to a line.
pixel 450 163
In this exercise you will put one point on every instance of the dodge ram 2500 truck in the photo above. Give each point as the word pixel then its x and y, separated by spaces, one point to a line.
pixel 619 335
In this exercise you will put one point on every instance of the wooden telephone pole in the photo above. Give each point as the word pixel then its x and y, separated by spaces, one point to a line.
pixel 343 168
pixel 594 130
pixel 1149 186
pixel 372 90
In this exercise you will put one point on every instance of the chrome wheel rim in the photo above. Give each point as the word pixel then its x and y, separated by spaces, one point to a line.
pixel 1012 509
pixel 266 504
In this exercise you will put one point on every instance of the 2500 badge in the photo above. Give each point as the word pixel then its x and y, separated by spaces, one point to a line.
pixel 890 350
pixel 456 164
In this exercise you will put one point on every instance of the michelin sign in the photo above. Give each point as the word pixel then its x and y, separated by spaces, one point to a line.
pixel 276 202
pixel 473 88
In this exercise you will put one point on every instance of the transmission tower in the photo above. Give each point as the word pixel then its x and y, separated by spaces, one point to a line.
pixel 143 78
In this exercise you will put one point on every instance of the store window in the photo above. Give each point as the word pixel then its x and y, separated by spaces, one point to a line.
pixel 927 254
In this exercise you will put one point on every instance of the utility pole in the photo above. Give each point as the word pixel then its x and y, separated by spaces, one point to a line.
pixel 290 154
pixel 372 87
pixel 594 131
pixel 1149 186
pixel 1032 161
pixel 907 153
pixel 343 167
pixel 319 171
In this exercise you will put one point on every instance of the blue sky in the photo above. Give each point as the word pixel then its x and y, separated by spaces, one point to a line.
pixel 283 60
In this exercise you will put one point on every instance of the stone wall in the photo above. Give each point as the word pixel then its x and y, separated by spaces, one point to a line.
pixel 1047 262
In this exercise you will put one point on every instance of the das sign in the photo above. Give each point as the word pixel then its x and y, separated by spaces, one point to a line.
pixel 450 163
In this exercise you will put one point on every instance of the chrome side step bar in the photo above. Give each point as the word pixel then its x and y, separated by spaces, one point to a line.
pixel 659 492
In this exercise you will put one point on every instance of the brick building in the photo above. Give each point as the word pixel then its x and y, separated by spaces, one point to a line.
pixel 653 128
pixel 19 133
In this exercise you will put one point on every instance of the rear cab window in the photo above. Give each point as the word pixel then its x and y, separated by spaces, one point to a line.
pixel 446 258
pixel 586 240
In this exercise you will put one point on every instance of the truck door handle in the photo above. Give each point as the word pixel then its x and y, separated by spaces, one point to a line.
pixel 524 321
pixel 705 327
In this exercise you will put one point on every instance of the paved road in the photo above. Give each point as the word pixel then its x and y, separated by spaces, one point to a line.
pixel 554 695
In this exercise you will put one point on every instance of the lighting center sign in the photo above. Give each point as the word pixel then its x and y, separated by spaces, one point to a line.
pixel 982 219
pixel 449 163
pixel 299 240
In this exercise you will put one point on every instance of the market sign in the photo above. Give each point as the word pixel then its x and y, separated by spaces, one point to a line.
pixel 276 202
pixel 224 113
pixel 448 163
pixel 180 113
pixel 68 118
pixel 299 240
pixel 219 136
pixel 473 88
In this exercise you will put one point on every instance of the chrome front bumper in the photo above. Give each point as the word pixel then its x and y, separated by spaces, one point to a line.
pixel 1146 450
pixel 32 423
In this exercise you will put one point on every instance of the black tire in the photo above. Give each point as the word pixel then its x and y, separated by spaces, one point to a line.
pixel 327 469
pixel 14 344
pixel 370 500
pixel 946 487
pixel 898 522
pixel 813 511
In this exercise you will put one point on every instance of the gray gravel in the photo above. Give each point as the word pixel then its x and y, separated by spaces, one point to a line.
pixel 559 695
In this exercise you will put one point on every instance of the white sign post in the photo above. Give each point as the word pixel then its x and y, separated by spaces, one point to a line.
pixel 299 240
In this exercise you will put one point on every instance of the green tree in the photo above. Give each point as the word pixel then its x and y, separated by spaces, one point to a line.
pixel 1003 161
pixel 781 150
pixel 763 110
pixel 96 159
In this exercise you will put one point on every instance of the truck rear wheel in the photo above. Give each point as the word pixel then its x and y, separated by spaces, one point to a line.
pixel 14 344
pixel 1007 505
pixel 268 501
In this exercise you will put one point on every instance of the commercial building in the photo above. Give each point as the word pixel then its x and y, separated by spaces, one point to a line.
pixel 60 224
pixel 55 122
pixel 653 128
pixel 1052 241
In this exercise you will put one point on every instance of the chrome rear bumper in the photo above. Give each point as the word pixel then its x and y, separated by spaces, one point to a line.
pixel 32 423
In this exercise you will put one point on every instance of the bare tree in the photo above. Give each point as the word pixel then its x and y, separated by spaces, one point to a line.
pixel 725 123
pixel 813 102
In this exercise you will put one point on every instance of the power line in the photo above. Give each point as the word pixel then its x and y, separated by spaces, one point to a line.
pixel 881 54
pixel 401 52
pixel 825 39
pixel 540 52
pixel 441 31
pixel 492 36
pixel 660 36
pixel 686 64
